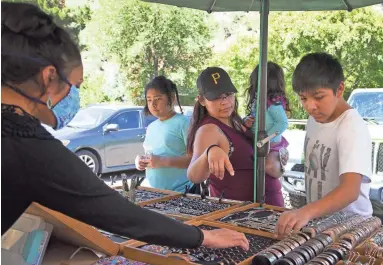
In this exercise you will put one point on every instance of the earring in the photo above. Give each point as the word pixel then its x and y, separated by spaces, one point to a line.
pixel 49 103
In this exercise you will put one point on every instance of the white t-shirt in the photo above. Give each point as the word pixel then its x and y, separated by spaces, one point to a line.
pixel 332 149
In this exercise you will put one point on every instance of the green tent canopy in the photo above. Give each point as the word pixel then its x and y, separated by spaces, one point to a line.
pixel 275 5
pixel 264 6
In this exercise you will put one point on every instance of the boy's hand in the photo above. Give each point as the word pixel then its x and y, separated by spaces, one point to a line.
pixel 292 221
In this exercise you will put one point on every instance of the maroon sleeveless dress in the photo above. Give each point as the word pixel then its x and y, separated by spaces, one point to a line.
pixel 241 185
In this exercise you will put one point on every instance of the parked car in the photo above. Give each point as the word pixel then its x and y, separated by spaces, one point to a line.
pixel 106 137
pixel 187 110
pixel 369 103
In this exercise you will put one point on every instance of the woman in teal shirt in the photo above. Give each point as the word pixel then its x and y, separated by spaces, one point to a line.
pixel 166 160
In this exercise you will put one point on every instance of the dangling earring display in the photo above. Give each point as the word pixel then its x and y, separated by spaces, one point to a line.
pixel 49 103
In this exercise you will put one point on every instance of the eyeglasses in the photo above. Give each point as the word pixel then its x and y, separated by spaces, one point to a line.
pixel 227 96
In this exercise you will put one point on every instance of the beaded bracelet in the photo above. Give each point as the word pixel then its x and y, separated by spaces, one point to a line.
pixel 208 149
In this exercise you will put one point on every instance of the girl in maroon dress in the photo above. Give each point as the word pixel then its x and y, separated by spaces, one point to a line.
pixel 222 148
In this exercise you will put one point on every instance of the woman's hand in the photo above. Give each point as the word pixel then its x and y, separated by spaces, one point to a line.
pixel 141 162
pixel 248 121
pixel 224 238
pixel 155 161
pixel 218 161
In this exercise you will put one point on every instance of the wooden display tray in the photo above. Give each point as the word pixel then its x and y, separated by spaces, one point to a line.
pixel 364 260
pixel 76 232
pixel 166 193
pixel 362 246
pixel 216 216
pixel 234 204
pixel 133 252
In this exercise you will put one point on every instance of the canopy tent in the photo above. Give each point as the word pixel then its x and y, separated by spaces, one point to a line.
pixel 275 5
pixel 264 6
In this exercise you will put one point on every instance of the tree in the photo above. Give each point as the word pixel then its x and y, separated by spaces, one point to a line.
pixel 239 61
pixel 356 38
pixel 89 94
pixel 73 20
pixel 150 40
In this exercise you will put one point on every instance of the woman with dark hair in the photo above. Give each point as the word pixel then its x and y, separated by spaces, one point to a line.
pixel 276 121
pixel 222 147
pixel 41 73
pixel 166 160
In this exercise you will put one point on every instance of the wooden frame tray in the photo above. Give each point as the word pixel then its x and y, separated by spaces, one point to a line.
pixel 166 193
pixel 134 253
pixel 79 234
pixel 73 231
pixel 363 260
pixel 218 216
pixel 76 232
pixel 233 204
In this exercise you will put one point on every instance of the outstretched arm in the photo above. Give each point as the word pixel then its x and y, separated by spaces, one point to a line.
pixel 201 165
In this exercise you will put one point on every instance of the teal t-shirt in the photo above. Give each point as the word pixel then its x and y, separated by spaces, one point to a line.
pixel 276 120
pixel 167 138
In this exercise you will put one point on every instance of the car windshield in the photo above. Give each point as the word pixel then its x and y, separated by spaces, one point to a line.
pixel 368 104
pixel 90 117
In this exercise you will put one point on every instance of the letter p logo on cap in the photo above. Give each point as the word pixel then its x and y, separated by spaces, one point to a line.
pixel 215 77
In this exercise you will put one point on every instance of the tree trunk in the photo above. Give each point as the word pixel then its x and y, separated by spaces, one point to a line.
pixel 155 61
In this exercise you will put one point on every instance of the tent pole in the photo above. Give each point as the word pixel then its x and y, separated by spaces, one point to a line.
pixel 261 153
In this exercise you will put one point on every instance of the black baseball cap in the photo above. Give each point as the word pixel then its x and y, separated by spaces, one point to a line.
pixel 213 82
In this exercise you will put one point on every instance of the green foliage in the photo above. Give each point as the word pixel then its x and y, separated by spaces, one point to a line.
pixel 239 62
pixel 88 94
pixel 149 40
pixel 73 20
pixel 128 42
pixel 356 38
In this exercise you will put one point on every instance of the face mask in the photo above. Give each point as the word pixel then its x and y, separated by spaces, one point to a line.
pixel 67 108
pixel 64 110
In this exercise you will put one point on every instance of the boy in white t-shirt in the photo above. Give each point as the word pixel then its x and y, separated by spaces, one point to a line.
pixel 337 146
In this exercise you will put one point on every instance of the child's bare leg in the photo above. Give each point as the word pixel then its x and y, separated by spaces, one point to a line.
pixel 273 165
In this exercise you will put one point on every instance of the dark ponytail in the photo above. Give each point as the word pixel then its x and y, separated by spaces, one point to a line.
pixel 30 40
pixel 199 113
pixel 275 86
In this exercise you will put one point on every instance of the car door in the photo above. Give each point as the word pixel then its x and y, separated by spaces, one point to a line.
pixel 147 119
pixel 123 144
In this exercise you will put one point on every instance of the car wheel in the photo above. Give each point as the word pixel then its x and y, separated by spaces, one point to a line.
pixel 90 160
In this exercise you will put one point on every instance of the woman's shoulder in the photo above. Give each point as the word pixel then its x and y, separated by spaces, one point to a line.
pixel 179 121
pixel 153 124
pixel 209 120
pixel 208 129
pixel 181 118
pixel 21 125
